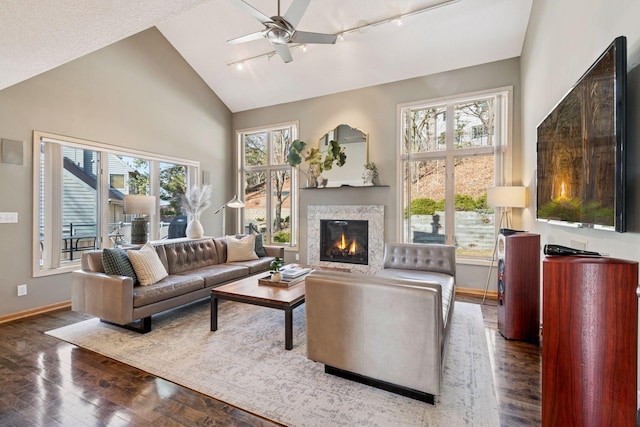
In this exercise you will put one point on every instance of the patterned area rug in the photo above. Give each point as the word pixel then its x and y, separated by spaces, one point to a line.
pixel 245 364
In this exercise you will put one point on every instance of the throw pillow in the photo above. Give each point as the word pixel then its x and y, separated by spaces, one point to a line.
pixel 259 246
pixel 116 261
pixel 241 249
pixel 147 265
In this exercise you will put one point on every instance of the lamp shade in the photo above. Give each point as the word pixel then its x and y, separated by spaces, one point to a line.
pixel 235 203
pixel 139 204
pixel 507 197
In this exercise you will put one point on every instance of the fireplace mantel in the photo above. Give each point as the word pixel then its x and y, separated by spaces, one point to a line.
pixel 344 187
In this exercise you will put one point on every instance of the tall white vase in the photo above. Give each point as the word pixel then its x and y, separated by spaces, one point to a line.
pixel 194 229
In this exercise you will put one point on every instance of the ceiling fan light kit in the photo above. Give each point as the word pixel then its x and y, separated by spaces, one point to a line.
pixel 281 31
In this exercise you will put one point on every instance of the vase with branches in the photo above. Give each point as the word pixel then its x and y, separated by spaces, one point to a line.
pixel 195 201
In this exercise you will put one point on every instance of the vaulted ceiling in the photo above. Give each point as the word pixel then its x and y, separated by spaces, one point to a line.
pixel 37 36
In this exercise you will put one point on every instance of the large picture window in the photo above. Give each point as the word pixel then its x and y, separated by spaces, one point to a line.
pixel 451 150
pixel 268 183
pixel 79 189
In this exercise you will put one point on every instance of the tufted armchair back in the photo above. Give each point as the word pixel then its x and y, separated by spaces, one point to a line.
pixel 416 256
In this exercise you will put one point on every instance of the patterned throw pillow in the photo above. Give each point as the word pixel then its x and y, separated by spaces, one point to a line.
pixel 147 265
pixel 259 246
pixel 116 262
pixel 241 249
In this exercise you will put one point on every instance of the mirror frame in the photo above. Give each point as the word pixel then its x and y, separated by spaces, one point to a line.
pixel 347 175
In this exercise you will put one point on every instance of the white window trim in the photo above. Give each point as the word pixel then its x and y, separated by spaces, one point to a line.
pixel 503 149
pixel 52 265
pixel 240 170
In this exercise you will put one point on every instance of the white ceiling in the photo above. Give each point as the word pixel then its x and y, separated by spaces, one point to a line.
pixel 36 36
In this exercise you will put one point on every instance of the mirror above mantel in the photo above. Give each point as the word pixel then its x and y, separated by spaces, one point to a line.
pixel 355 143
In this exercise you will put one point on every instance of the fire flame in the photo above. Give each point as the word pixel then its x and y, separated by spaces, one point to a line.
pixel 343 245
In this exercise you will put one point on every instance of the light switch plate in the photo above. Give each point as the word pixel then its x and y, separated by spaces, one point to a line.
pixel 8 217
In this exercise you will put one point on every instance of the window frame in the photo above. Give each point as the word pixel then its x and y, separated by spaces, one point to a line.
pixel 501 150
pixel 51 266
pixel 268 169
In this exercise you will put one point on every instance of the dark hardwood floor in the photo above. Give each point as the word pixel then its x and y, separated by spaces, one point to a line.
pixel 47 382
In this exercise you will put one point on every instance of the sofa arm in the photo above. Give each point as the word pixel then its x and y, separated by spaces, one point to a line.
pixel 381 328
pixel 274 251
pixel 105 296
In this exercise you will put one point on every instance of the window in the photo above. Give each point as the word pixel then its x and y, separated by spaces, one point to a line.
pixel 268 183
pixel 79 205
pixel 451 150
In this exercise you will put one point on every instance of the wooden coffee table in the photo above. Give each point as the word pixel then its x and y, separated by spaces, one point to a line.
pixel 248 291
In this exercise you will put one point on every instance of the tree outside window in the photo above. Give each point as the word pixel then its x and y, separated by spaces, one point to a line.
pixel 447 167
pixel 266 181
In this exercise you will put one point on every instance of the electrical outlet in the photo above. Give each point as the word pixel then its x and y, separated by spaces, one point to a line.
pixel 297 257
pixel 22 290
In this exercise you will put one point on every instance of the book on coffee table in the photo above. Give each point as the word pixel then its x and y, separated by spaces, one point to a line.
pixel 292 272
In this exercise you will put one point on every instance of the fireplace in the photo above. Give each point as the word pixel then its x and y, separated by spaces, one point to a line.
pixel 344 240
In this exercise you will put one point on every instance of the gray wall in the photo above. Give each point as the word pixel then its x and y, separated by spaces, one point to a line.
pixel 563 40
pixel 375 110
pixel 136 93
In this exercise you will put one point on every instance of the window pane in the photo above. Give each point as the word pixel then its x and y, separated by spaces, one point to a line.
pixel 281 139
pixel 255 149
pixel 474 221
pixel 137 182
pixel 426 210
pixel 255 202
pixel 474 124
pixel 281 205
pixel 425 130
pixel 173 184
pixel 79 202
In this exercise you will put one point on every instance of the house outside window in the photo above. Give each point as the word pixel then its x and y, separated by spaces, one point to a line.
pixel 79 205
pixel 268 184
pixel 451 150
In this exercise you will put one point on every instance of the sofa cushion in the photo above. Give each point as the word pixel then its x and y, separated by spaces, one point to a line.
pixel 169 287
pixel 255 265
pixel 241 249
pixel 116 262
pixel 147 265
pixel 215 275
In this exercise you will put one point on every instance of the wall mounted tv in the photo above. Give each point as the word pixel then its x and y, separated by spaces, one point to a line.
pixel 581 149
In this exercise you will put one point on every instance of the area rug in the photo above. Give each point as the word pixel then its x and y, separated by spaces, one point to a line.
pixel 244 363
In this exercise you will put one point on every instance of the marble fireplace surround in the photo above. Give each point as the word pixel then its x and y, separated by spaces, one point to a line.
pixel 372 213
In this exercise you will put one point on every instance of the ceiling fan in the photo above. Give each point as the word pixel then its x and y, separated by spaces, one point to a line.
pixel 280 30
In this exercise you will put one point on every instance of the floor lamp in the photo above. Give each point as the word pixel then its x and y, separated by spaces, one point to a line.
pixel 503 198
pixel 234 203
pixel 138 204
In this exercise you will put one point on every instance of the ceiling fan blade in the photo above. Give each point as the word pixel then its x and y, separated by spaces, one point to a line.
pixel 252 11
pixel 284 52
pixel 307 37
pixel 295 12
pixel 249 37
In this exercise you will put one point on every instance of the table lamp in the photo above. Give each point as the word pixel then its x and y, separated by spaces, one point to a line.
pixel 141 205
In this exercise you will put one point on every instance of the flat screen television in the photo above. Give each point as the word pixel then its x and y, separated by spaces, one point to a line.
pixel 581 149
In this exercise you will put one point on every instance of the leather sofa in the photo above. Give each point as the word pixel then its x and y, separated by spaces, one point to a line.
pixel 194 267
pixel 388 330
